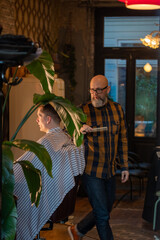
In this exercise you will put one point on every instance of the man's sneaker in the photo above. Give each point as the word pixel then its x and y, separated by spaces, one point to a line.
pixel 73 233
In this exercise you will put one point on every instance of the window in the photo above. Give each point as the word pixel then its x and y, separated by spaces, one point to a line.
pixel 115 71
pixel 145 99
pixel 127 31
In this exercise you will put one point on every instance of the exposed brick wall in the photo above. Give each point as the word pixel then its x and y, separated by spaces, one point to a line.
pixel 7 19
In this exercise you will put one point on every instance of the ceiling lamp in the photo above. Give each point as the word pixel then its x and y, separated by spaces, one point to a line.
pixel 147 67
pixel 152 40
pixel 142 4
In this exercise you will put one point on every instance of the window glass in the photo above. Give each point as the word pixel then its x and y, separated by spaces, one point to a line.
pixel 127 31
pixel 145 98
pixel 115 71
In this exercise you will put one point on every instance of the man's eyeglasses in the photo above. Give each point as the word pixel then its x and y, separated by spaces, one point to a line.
pixel 98 90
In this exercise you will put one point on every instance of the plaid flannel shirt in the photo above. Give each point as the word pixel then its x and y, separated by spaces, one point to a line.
pixel 101 148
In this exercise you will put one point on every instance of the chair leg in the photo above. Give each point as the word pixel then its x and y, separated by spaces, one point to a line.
pixel 140 186
pixel 38 237
pixel 131 189
pixel 155 213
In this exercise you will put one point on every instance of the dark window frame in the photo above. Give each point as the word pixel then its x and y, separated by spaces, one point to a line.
pixel 122 52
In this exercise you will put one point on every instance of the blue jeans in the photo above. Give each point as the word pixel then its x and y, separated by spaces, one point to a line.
pixel 101 194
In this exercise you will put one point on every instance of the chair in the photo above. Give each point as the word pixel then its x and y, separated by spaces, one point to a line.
pixel 136 173
pixel 144 167
pixel 155 210
pixel 65 209
pixel 140 163
pixel 136 170
pixel 118 173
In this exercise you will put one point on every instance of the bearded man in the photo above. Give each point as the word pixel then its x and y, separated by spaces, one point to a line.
pixel 105 138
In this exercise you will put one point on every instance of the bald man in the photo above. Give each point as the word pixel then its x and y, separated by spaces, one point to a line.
pixel 105 138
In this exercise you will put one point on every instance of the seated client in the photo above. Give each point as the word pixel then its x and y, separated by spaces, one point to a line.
pixel 67 162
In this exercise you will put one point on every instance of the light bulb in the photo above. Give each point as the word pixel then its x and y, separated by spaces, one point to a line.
pixel 147 67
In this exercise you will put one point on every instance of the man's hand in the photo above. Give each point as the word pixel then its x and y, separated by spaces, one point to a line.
pixel 124 176
pixel 85 129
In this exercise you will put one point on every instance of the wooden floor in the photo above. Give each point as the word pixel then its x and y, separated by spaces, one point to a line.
pixel 126 220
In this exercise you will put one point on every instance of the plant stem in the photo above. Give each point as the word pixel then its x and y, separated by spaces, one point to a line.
pixel 9 89
pixel 6 98
pixel 28 114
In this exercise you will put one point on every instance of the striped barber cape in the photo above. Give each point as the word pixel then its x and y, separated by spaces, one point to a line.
pixel 67 162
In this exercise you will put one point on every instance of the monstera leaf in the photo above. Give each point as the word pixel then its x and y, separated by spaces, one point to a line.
pixel 43 69
pixel 36 148
pixel 71 116
pixel 9 215
pixel 32 175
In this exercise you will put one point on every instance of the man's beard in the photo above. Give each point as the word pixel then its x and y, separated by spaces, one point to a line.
pixel 99 102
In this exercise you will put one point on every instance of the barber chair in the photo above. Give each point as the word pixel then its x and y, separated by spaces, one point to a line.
pixel 65 209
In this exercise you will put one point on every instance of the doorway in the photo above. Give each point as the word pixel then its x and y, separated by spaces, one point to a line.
pixel 133 80
pixel 132 72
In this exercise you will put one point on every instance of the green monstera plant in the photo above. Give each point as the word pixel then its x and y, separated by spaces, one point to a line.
pixel 72 118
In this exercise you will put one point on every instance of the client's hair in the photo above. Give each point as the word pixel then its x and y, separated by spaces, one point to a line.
pixel 50 111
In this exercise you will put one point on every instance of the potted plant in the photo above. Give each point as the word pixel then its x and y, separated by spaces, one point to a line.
pixel 72 118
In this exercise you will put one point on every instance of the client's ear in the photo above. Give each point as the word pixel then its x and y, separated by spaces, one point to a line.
pixel 48 119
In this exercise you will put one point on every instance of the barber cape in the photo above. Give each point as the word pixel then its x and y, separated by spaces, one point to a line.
pixel 67 162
